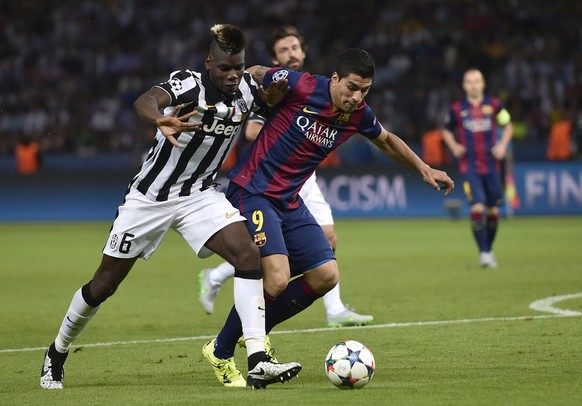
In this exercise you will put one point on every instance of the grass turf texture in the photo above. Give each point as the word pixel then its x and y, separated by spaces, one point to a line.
pixel 398 270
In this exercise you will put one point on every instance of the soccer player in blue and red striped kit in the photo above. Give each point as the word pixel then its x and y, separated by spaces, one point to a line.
pixel 475 119
pixel 317 115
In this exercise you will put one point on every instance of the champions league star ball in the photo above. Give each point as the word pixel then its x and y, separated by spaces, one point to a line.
pixel 349 365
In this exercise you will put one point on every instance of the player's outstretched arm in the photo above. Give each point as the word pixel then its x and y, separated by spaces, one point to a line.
pixel 258 72
pixel 276 91
pixel 397 149
pixel 148 107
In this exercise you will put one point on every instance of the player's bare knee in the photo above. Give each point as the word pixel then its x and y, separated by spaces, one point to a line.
pixel 477 208
pixel 330 279
pixel 102 288
pixel 275 284
pixel 111 272
pixel 323 278
pixel 492 211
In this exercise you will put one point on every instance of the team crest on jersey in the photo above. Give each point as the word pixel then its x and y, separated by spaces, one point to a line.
pixel 280 74
pixel 487 109
pixel 260 239
pixel 176 84
pixel 113 242
pixel 242 106
pixel 343 118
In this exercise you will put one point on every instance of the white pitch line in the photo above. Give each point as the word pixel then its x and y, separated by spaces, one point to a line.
pixel 312 330
pixel 545 305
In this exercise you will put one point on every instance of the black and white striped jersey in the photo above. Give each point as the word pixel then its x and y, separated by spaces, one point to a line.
pixel 169 172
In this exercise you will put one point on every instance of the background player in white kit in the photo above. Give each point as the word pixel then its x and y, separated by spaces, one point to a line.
pixel 288 50
pixel 175 189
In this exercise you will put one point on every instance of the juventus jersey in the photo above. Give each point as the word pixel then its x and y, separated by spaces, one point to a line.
pixel 169 172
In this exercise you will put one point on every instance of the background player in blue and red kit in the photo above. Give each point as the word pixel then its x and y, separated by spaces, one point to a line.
pixel 475 120
pixel 317 115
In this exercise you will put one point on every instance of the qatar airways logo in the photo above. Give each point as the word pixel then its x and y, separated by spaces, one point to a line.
pixel 477 125
pixel 316 132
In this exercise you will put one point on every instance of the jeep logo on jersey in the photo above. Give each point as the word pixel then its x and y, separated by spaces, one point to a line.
pixel 317 132
pixel 218 128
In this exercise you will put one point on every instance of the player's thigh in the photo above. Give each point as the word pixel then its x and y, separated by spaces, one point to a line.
pixel 474 189
pixel 264 222
pixel 276 273
pixel 139 227
pixel 200 216
pixel 493 190
pixel 234 244
pixel 305 241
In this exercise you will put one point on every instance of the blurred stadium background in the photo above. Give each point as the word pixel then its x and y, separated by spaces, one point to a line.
pixel 71 69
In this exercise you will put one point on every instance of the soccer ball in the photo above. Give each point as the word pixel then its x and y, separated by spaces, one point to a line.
pixel 349 365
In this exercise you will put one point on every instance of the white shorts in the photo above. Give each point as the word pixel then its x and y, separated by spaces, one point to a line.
pixel 141 224
pixel 315 202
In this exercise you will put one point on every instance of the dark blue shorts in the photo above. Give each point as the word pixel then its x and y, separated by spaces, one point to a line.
pixel 277 230
pixel 484 189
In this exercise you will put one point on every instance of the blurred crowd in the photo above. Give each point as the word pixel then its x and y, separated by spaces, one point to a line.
pixel 71 69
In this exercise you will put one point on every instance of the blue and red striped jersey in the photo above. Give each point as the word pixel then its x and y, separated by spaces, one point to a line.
pixel 475 127
pixel 301 131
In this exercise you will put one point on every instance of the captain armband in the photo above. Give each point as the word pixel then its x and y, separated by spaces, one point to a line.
pixel 503 117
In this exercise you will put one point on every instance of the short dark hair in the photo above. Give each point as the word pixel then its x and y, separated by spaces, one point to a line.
pixel 283 32
pixel 355 60
pixel 228 38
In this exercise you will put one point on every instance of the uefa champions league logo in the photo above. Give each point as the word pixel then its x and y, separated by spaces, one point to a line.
pixel 280 74
pixel 176 84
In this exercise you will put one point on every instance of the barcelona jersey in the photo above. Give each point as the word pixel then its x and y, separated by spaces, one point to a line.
pixel 475 127
pixel 302 130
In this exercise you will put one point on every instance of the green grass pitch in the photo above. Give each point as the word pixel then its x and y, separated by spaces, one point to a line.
pixel 445 332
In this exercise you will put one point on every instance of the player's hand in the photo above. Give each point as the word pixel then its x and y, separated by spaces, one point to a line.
pixel 458 150
pixel 173 125
pixel 275 93
pixel 498 151
pixel 438 179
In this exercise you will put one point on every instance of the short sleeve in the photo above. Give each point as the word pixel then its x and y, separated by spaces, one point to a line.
pixel 450 121
pixel 180 84
pixel 369 126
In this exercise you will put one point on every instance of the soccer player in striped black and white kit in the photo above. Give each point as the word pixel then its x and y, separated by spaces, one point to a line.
pixel 203 114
